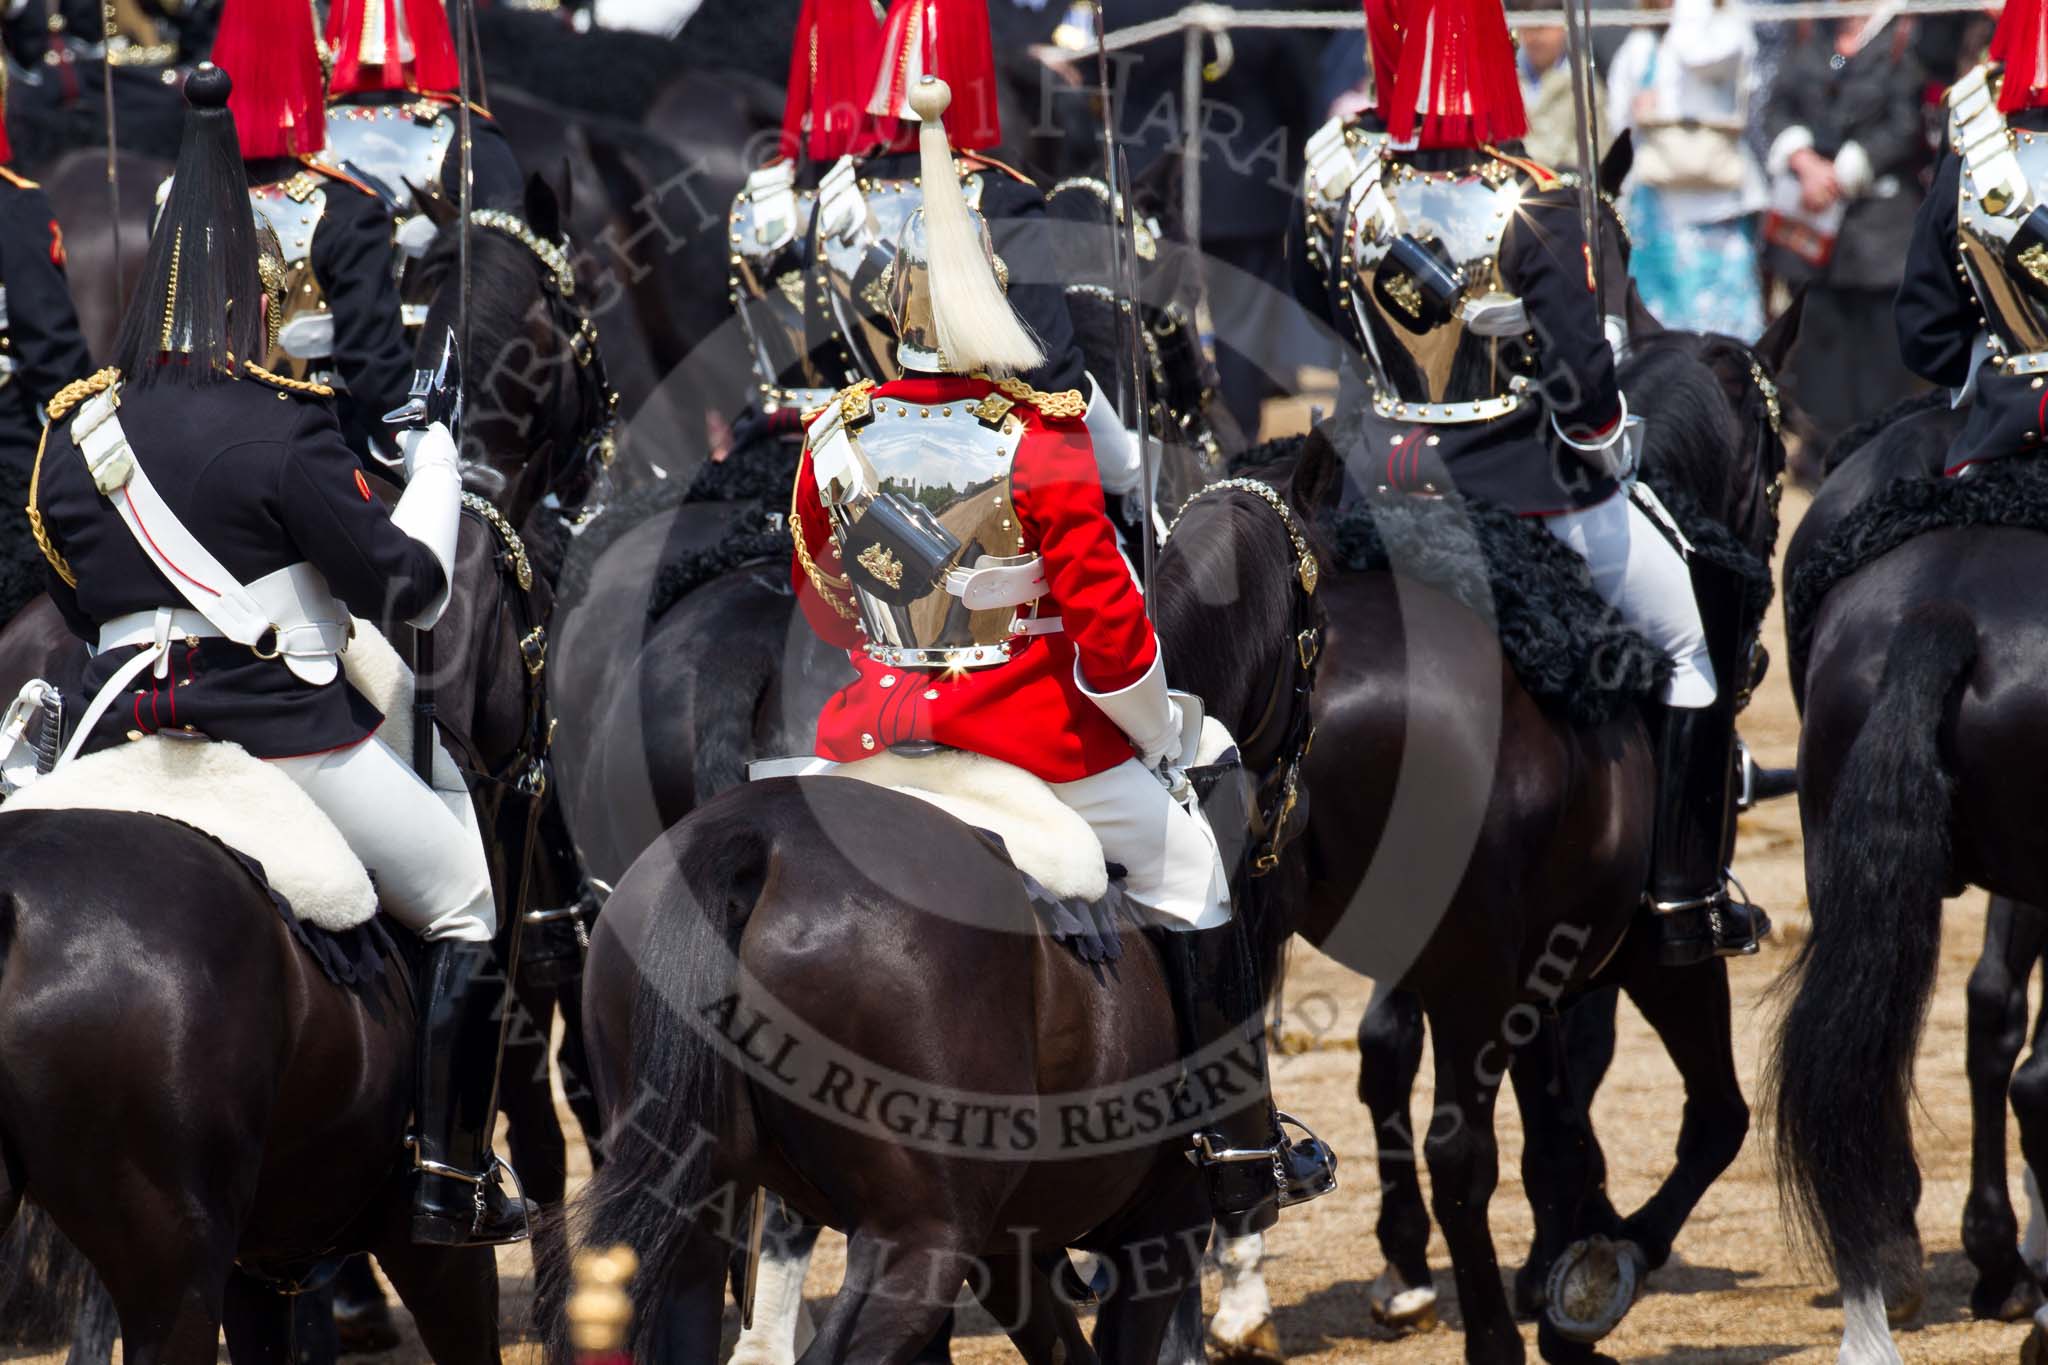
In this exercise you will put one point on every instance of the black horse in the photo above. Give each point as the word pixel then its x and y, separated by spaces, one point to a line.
pixel 758 897
pixel 1920 707
pixel 1509 899
pixel 490 662
pixel 197 1207
pixel 1911 441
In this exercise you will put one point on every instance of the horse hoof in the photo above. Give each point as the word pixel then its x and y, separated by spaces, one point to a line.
pixel 1908 1307
pixel 1259 1346
pixel 1592 1287
pixel 1408 1310
pixel 2017 1304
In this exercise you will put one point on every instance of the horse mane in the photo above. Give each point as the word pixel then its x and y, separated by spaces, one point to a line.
pixel 1864 432
pixel 498 299
pixel 1691 424
pixel 1222 600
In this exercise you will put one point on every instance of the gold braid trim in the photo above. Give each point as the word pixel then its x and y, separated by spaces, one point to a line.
pixel 825 583
pixel 1066 403
pixel 78 390
pixel 286 382
pixel 67 398
pixel 35 516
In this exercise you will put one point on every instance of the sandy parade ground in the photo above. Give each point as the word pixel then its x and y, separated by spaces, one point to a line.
pixel 1732 1291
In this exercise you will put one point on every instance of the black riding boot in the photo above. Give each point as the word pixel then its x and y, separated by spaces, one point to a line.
pixel 1694 917
pixel 1253 1168
pixel 458 1201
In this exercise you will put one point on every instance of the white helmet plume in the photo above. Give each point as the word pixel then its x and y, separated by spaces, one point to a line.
pixel 975 326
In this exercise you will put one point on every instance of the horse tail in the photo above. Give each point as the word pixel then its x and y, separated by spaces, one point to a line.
pixel 660 1139
pixel 1841 1081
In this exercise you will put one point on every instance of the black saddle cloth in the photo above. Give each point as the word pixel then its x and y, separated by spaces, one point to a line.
pixel 2011 493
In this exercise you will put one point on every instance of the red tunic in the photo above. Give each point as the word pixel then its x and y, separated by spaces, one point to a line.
pixel 1028 711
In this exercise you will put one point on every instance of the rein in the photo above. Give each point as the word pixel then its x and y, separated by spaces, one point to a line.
pixel 1277 813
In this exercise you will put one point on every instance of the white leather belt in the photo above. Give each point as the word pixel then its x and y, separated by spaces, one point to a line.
pixel 1036 625
pixel 267 615
pixel 307 624
pixel 986 586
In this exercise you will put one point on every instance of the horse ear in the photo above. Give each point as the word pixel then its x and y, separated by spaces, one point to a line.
pixel 1317 474
pixel 565 193
pixel 1641 321
pixel 438 208
pixel 1619 161
pixel 543 210
pixel 1774 347
pixel 1153 189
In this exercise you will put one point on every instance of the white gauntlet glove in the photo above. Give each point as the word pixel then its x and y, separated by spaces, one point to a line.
pixel 1144 711
pixel 1119 459
pixel 430 509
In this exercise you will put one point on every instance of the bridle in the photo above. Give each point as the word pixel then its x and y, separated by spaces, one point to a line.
pixel 1278 742
pixel 597 402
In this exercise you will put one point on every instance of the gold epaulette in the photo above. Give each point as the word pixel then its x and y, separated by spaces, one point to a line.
pixel 20 182
pixel 1066 403
pixel 78 390
pixel 1545 178
pixel 853 401
pixel 67 398
pixel 989 163
pixel 305 387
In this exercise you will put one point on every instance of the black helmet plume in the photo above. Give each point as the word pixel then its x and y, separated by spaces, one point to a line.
pixel 197 309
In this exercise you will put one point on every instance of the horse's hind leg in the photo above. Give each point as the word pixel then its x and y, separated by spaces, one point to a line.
pixel 1020 1296
pixel 264 1327
pixel 900 1285
pixel 453 1295
pixel 1997 1028
pixel 362 1319
pixel 1389 1056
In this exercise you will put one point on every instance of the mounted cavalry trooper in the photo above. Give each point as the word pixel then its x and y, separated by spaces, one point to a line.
pixel 340 324
pixel 40 348
pixel 209 533
pixel 808 263
pixel 1972 312
pixel 1461 274
pixel 1038 652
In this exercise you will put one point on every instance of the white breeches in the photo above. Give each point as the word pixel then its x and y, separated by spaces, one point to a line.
pixel 421 846
pixel 1172 868
pixel 1638 573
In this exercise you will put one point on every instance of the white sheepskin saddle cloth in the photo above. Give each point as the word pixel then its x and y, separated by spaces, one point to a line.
pixel 1044 837
pixel 246 803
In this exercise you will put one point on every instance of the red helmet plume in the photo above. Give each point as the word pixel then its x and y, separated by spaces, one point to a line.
pixel 1383 34
pixel 2021 43
pixel 392 45
pixel 947 39
pixel 831 75
pixel 279 98
pixel 1455 84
